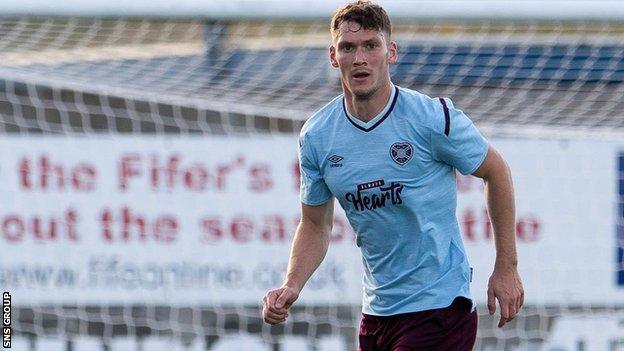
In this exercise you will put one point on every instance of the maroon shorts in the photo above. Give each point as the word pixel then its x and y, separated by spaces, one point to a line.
pixel 452 328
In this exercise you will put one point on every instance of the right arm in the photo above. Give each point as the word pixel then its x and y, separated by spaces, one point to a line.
pixel 307 252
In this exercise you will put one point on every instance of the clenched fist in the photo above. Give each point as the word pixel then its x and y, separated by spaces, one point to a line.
pixel 276 303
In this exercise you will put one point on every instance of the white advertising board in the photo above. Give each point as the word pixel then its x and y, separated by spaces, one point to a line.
pixel 181 220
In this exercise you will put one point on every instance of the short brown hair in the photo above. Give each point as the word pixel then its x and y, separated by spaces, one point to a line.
pixel 363 12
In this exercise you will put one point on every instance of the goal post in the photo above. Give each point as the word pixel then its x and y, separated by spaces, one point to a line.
pixel 301 10
pixel 150 181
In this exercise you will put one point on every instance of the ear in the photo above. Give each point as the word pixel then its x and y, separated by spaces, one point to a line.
pixel 332 56
pixel 393 52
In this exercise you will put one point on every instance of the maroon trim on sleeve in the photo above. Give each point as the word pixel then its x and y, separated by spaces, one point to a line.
pixel 447 117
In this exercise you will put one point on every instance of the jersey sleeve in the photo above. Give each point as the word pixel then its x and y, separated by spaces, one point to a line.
pixel 313 190
pixel 456 141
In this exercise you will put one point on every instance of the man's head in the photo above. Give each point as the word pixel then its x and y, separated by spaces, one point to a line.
pixel 362 48
pixel 365 13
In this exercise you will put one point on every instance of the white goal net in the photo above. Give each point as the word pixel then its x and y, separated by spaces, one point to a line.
pixel 149 178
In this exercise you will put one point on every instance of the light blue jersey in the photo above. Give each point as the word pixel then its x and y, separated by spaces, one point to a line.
pixel 395 178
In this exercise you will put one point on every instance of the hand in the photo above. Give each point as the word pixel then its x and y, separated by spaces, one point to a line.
pixel 506 286
pixel 276 303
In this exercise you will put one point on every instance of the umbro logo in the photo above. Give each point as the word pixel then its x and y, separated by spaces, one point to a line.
pixel 335 160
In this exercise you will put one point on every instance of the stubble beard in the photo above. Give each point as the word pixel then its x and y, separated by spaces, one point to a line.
pixel 366 94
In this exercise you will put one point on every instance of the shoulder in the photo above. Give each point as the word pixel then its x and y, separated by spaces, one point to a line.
pixel 321 119
pixel 430 112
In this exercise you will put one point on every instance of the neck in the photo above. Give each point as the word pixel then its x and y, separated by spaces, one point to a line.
pixel 367 109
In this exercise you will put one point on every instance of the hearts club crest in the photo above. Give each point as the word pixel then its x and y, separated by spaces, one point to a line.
pixel 401 152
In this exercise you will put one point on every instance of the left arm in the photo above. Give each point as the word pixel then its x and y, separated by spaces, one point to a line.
pixel 504 283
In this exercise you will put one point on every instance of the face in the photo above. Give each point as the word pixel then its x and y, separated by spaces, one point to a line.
pixel 363 57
